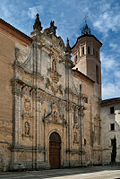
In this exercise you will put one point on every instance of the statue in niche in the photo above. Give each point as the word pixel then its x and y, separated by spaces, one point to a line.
pixel 75 119
pixel 55 115
pixel 55 112
pixel 75 137
pixel 27 128
pixel 54 65
pixel 76 124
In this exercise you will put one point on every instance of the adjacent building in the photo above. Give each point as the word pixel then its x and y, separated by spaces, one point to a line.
pixel 110 109
pixel 50 116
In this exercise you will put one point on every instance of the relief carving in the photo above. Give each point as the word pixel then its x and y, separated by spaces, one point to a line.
pixel 54 75
pixel 27 105
pixel 54 87
pixel 52 82
pixel 21 54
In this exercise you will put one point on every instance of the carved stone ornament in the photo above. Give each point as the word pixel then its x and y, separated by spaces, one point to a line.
pixel 18 55
pixel 61 42
pixel 37 24
pixel 54 75
pixel 52 28
pixel 54 78
pixel 27 105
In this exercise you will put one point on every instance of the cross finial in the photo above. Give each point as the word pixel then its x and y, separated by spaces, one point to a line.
pixel 85 18
pixel 85 30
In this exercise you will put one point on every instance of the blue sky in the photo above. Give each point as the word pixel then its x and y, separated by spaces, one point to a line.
pixel 103 19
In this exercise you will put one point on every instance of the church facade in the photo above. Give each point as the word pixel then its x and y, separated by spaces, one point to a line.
pixel 50 115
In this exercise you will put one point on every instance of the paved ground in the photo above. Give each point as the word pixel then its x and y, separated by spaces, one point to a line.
pixel 74 173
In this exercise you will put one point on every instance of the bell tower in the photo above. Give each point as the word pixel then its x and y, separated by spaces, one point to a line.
pixel 86 55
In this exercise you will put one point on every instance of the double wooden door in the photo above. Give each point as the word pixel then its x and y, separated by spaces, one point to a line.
pixel 54 151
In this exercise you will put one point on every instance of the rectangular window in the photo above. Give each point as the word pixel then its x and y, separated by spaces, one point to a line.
pixel 112 110
pixel 112 127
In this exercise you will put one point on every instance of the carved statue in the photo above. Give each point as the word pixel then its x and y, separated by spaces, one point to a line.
pixel 55 115
pixel 75 137
pixel 54 66
pixel 53 28
pixel 27 128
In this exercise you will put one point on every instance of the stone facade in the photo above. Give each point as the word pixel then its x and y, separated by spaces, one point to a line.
pixel 43 93
pixel 110 129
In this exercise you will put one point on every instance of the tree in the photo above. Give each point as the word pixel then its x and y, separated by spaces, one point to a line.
pixel 114 152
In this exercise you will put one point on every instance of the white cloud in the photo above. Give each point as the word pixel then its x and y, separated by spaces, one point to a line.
pixel 117 74
pixel 110 90
pixel 34 10
pixel 108 62
pixel 113 46
pixel 107 21
pixel 105 16
pixel 110 76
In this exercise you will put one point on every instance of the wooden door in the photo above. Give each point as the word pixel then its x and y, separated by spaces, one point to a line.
pixel 54 150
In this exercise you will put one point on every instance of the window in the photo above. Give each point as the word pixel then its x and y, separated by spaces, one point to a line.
pixel 112 110
pixel 97 74
pixel 93 51
pixel 88 50
pixel 85 142
pixel 82 50
pixel 112 127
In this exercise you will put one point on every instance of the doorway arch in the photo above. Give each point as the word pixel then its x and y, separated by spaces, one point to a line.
pixel 55 150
